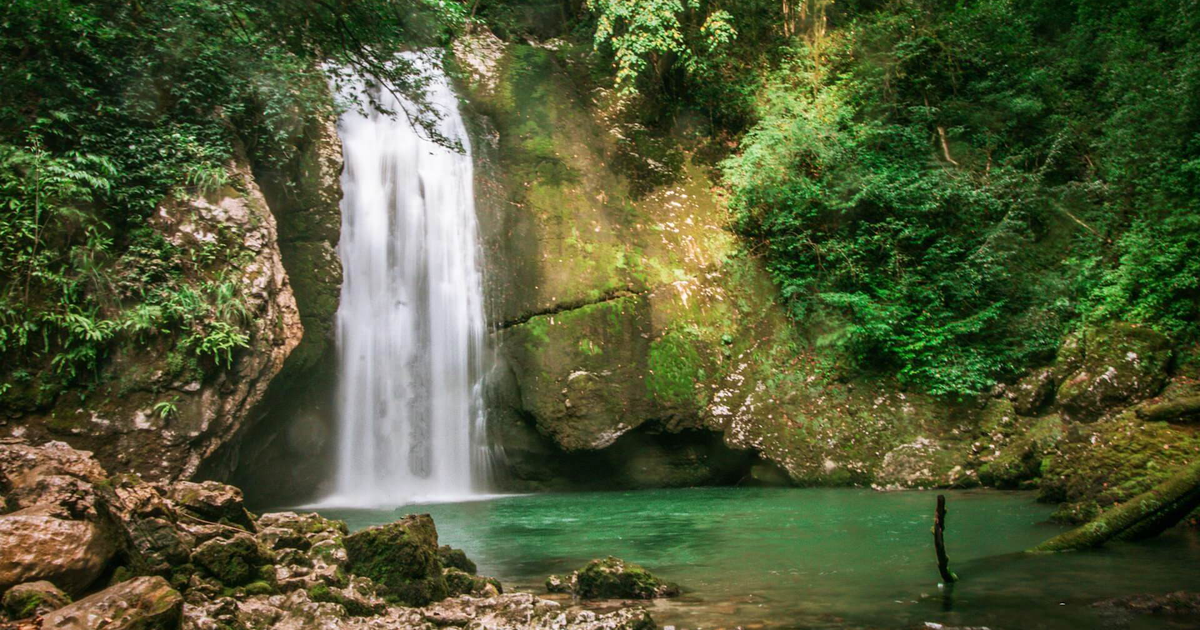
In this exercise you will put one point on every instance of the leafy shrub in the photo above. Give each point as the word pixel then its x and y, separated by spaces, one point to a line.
pixel 941 189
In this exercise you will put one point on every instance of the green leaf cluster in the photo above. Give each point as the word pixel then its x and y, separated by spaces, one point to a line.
pixel 941 189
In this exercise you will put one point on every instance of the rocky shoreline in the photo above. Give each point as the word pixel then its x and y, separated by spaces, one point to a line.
pixel 84 549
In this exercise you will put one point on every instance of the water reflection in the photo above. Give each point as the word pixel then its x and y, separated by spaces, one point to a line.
pixel 816 558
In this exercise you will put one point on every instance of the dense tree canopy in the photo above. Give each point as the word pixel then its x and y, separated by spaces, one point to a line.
pixel 944 189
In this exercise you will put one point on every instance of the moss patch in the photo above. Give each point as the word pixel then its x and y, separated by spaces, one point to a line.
pixel 402 558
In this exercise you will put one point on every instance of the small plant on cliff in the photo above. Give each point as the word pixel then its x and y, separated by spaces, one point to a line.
pixel 167 408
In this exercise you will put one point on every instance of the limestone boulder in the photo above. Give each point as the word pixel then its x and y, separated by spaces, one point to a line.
pixel 212 501
pixel 144 603
pixel 53 474
pixel 924 463
pixel 39 546
pixel 146 525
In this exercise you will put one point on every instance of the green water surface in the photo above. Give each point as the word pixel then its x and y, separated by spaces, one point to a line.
pixel 816 558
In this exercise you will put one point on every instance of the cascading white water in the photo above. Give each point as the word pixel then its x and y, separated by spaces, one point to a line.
pixel 410 327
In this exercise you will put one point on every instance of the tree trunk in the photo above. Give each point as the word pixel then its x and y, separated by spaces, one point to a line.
pixel 939 544
pixel 1146 515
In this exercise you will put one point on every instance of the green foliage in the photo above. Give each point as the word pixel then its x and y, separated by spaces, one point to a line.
pixel 698 54
pixel 167 408
pixel 107 107
pixel 644 34
pixel 944 188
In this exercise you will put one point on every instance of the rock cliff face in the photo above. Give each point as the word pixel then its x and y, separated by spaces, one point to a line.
pixel 637 344
pixel 157 412
pixel 295 421
pixel 266 244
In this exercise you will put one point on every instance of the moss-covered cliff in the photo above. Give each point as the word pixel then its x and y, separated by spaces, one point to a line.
pixel 639 343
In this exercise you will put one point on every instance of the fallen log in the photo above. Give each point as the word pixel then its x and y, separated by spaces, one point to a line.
pixel 1146 515
pixel 1178 409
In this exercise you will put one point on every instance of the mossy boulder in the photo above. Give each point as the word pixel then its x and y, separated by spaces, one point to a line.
pixel 456 558
pixel 1121 364
pixel 613 578
pixel 1110 461
pixel 359 597
pixel 233 561
pixel 1032 393
pixel 33 598
pixel 402 558
pixel 1018 461
pixel 462 583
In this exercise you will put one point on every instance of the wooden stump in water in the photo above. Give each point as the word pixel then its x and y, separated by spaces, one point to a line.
pixel 939 543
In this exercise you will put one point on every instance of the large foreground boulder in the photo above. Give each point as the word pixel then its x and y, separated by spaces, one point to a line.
pixel 612 578
pixel 38 546
pixel 145 603
pixel 402 558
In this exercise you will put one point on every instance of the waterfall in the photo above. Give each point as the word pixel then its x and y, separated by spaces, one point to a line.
pixel 410 327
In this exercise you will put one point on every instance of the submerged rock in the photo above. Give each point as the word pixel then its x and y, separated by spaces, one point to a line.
pixel 612 578
pixel 33 598
pixel 1177 603
pixel 402 558
pixel 144 603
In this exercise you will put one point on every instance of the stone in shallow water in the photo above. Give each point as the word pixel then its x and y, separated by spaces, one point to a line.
pixel 612 578
pixel 1177 603
pixel 456 558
